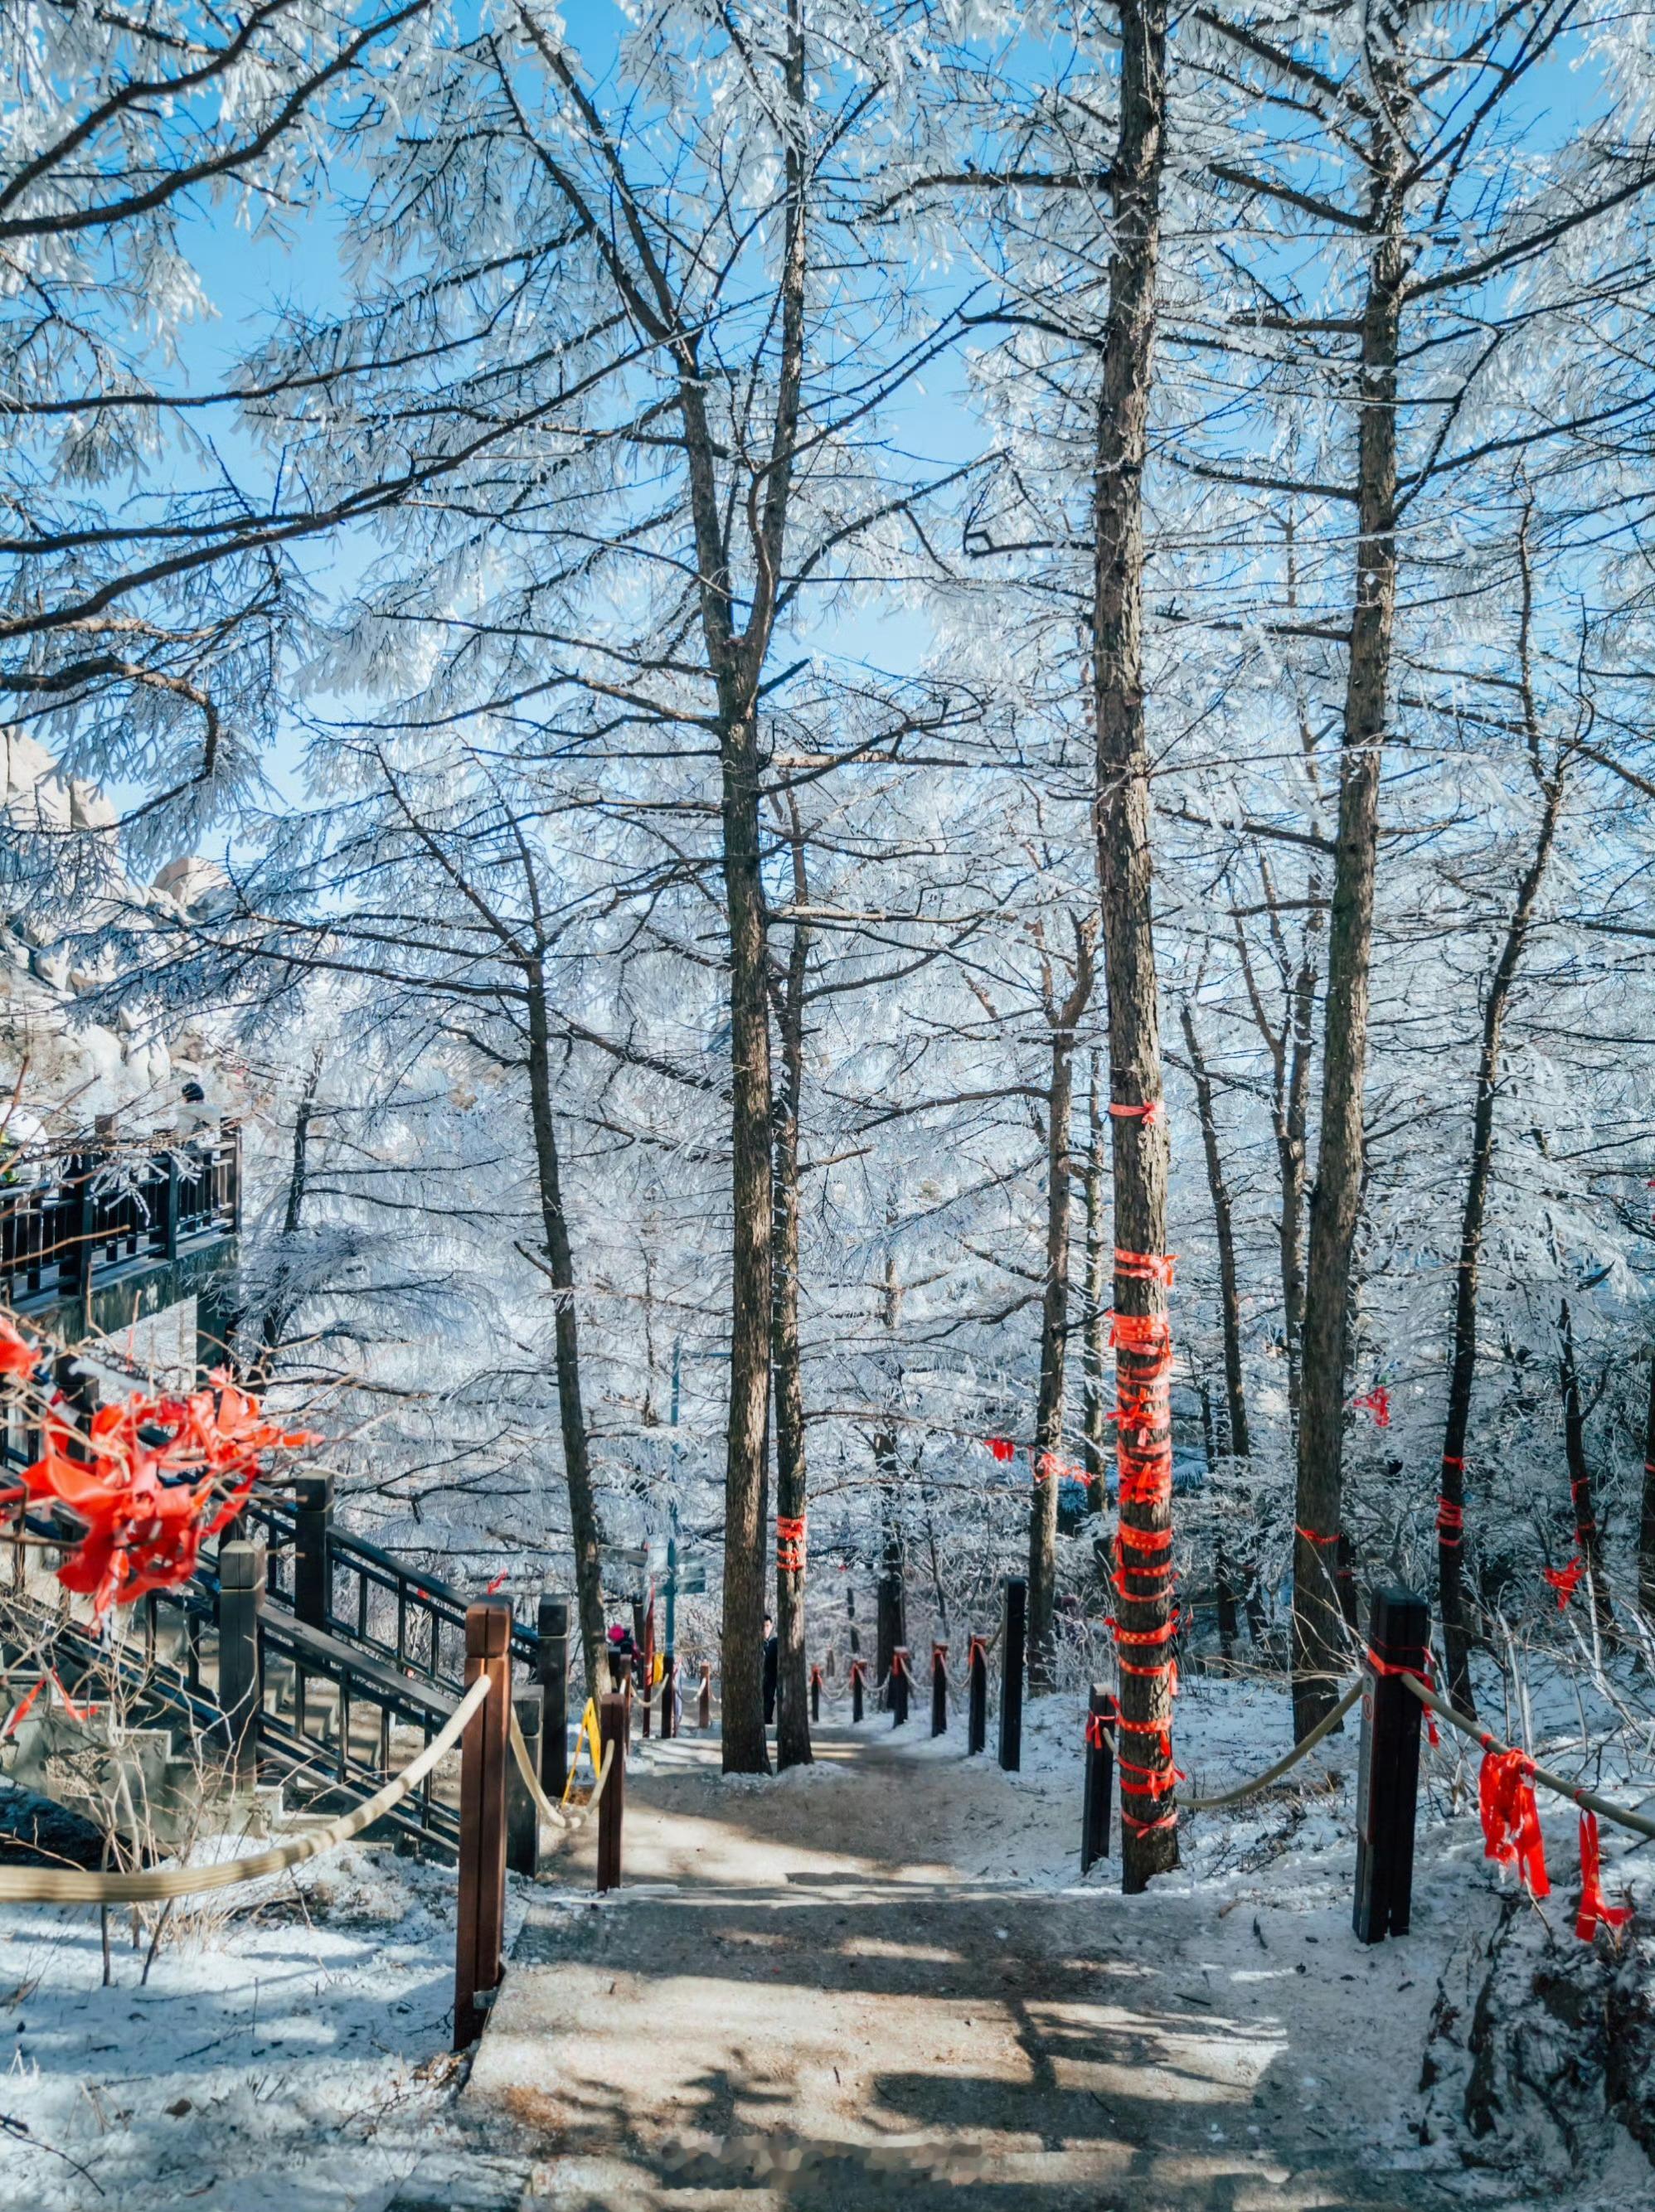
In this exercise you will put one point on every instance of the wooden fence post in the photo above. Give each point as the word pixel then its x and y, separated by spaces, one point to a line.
pixel 612 1728
pixel 815 1693
pixel 522 1814
pixel 1102 1714
pixel 899 1687
pixel 857 1670
pixel 669 1677
pixel 939 1688
pixel 552 1669
pixel 241 1683
pixel 1013 1632
pixel 485 1748
pixel 704 1709
pixel 313 1555
pixel 976 1712
pixel 1387 1778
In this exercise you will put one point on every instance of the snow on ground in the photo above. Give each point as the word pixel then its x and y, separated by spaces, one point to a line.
pixel 297 2045
pixel 294 2050
pixel 1523 2057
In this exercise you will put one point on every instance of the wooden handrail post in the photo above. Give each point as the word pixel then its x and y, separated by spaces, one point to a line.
pixel 815 1694
pixel 1388 1777
pixel 669 1677
pixel 551 1669
pixel 939 1689
pixel 1101 1716
pixel 313 1550
pixel 522 1813
pixel 1013 1632
pixel 241 1686
pixel 899 1687
pixel 976 1709
pixel 485 1748
pixel 705 1711
pixel 611 1730
pixel 857 1671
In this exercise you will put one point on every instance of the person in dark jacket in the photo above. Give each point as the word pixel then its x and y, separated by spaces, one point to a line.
pixel 771 1662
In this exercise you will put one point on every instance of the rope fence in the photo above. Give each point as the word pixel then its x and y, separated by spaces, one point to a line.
pixel 555 1816
pixel 1639 1823
pixel 150 1886
pixel 1324 1729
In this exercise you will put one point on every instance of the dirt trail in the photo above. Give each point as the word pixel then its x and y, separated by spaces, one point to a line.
pixel 799 1998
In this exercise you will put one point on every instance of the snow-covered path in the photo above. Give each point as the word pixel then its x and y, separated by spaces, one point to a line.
pixel 811 1968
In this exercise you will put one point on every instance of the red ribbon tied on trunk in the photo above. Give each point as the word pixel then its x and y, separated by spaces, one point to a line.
pixel 1511 1818
pixel 1565 1580
pixel 1592 1905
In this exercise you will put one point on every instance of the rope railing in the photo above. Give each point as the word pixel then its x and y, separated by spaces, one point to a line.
pixel 1323 1730
pixel 557 1816
pixel 1639 1823
pixel 149 1885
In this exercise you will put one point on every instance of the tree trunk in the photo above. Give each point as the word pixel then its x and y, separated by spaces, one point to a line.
pixel 1224 1229
pixel 793 1682
pixel 560 1266
pixel 1095 1324
pixel 1646 1525
pixel 278 1307
pixel 751 1315
pixel 889 1627
pixel 1054 1318
pixel 1143 1340
pixel 1588 1538
pixel 1318 1662
pixel 1463 1359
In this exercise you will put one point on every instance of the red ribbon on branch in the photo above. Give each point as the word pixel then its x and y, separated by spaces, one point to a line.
pixel 1511 1818
pixel 1592 1905
pixel 1565 1580
pixel 150 1478
pixel 1376 1401
pixel 1001 1449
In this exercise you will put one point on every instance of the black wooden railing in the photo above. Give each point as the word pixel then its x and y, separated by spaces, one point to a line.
pixel 87 1212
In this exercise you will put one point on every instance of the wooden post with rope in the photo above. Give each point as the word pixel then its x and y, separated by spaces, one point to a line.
pixel 480 1921
pixel 815 1694
pixel 552 1669
pixel 1013 1634
pixel 669 1676
pixel 241 1683
pixel 899 1687
pixel 613 1725
pixel 1388 1777
pixel 939 1689
pixel 704 1709
pixel 1102 1715
pixel 857 1671
pixel 976 1705
pixel 522 1814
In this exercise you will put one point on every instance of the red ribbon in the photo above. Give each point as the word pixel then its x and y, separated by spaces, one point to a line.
pixel 1002 1447
pixel 1450 1522
pixel 1376 1401
pixel 1565 1580
pixel 1097 1732
pixel 1146 1266
pixel 495 1585
pixel 1592 1905
pixel 1511 1818
pixel 789 1545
